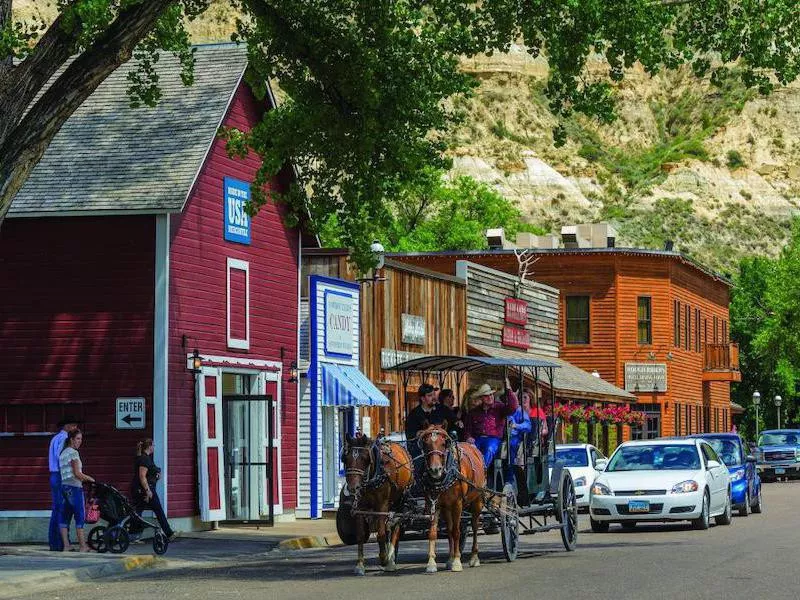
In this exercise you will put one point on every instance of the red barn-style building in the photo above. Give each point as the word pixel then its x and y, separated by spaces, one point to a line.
pixel 126 250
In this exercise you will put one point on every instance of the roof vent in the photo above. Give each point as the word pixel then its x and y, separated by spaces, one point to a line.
pixel 668 245
pixel 569 236
pixel 496 238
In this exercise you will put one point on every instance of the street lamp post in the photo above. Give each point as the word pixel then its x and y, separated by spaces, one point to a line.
pixel 778 400
pixel 756 402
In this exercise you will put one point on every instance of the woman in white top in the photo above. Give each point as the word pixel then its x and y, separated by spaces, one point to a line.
pixel 72 479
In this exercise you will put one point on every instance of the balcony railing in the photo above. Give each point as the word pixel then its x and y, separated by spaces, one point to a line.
pixel 721 357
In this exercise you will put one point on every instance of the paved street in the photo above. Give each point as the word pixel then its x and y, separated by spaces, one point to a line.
pixel 756 557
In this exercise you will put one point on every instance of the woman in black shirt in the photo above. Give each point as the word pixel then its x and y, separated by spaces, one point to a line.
pixel 143 487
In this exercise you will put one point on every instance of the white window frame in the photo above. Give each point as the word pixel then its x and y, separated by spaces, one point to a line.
pixel 239 265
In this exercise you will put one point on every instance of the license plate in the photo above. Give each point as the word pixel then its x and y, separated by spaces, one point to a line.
pixel 639 506
pixel 780 471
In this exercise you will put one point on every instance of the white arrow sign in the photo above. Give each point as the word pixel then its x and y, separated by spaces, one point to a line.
pixel 130 413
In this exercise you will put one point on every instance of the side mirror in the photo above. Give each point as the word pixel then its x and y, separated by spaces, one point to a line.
pixel 750 458
pixel 601 464
pixel 713 464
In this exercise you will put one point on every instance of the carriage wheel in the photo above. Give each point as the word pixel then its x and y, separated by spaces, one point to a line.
pixel 96 539
pixel 509 524
pixel 117 539
pixel 567 511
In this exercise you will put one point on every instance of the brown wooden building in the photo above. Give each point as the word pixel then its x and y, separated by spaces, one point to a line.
pixel 652 322
pixel 405 313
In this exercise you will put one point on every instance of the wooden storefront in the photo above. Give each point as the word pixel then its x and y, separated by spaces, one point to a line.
pixel 652 322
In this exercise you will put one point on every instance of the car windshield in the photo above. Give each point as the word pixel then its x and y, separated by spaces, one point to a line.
pixel 572 457
pixel 779 438
pixel 654 458
pixel 728 451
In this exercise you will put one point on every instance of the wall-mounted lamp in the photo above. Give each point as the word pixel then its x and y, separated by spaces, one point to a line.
pixel 197 362
pixel 293 372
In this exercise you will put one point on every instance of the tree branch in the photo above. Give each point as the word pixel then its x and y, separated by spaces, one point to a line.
pixel 24 146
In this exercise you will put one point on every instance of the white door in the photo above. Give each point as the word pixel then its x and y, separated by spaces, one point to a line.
pixel 209 445
pixel 718 484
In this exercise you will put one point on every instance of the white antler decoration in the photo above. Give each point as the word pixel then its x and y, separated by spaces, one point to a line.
pixel 525 260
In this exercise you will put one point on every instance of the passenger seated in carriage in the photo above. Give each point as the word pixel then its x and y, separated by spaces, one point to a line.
pixel 427 412
pixel 485 423
pixel 519 423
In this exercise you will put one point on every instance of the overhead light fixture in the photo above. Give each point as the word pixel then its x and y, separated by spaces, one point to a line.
pixel 197 362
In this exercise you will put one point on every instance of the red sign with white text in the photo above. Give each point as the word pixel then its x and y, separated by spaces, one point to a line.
pixel 516 311
pixel 516 337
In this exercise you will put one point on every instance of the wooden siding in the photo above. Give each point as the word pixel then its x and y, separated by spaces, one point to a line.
pixel 197 304
pixel 442 304
pixel 614 281
pixel 76 332
pixel 487 290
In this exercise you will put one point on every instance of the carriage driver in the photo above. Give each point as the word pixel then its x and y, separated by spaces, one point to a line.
pixel 485 422
pixel 427 411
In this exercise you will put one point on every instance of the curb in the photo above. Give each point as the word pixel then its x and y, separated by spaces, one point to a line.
pixel 59 579
pixel 310 541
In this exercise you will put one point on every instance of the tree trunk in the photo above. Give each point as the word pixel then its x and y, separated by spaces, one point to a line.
pixel 23 140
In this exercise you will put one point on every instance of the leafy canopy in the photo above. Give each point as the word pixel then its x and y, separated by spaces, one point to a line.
pixel 765 321
pixel 369 83
pixel 435 214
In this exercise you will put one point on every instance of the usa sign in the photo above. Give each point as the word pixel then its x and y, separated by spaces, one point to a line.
pixel 516 311
pixel 237 222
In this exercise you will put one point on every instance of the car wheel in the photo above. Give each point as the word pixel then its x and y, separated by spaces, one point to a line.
pixel 758 505
pixel 598 526
pixel 702 522
pixel 628 525
pixel 726 517
pixel 745 509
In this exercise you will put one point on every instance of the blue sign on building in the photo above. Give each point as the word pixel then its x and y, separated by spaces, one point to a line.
pixel 237 221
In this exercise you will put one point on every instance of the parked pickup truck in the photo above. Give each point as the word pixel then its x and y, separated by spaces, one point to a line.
pixel 778 454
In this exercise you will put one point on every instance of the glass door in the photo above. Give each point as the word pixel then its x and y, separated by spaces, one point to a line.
pixel 247 447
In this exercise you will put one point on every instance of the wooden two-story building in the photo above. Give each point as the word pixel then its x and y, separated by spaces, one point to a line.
pixel 652 322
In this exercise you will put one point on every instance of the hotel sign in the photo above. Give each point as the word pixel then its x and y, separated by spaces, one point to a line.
pixel 645 377
pixel 516 337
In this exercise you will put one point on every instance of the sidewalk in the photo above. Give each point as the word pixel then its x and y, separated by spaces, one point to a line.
pixel 28 569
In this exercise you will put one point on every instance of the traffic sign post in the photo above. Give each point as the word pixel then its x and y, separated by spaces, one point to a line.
pixel 130 413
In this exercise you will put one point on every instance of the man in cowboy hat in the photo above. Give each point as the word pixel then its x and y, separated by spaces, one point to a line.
pixel 486 421
pixel 65 425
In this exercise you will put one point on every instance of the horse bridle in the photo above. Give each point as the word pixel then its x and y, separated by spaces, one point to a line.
pixel 450 469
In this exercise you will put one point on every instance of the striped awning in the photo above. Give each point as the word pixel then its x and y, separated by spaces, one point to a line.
pixel 347 386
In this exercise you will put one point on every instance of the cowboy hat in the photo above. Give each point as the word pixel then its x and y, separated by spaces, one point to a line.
pixel 484 390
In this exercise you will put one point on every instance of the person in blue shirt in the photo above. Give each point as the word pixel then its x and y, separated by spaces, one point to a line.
pixel 66 425
pixel 519 423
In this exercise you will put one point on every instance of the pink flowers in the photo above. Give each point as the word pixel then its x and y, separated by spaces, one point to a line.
pixel 615 415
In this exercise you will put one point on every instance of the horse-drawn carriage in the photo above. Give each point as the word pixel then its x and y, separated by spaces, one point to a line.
pixel 451 480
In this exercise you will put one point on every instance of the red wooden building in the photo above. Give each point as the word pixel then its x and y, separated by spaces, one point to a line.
pixel 654 323
pixel 126 250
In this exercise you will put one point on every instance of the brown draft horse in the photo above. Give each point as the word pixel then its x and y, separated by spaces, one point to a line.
pixel 377 474
pixel 453 475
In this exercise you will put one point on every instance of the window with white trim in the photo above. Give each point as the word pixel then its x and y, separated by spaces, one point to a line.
pixel 238 313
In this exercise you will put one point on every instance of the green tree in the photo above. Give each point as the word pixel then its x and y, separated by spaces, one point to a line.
pixel 368 82
pixel 435 214
pixel 765 321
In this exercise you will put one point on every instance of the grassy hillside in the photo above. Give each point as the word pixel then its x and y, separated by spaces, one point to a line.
pixel 717 170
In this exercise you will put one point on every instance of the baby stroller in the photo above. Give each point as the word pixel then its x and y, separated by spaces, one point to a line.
pixel 119 513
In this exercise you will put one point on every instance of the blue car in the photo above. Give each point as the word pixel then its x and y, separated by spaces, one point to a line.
pixel 745 481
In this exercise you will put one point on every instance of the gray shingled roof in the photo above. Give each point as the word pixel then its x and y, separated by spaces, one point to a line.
pixel 568 378
pixel 111 157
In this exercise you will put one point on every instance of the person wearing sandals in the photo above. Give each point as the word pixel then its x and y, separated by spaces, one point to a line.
pixel 66 425
pixel 72 480
pixel 143 488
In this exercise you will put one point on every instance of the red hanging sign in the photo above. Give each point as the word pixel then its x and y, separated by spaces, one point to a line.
pixel 516 311
pixel 516 337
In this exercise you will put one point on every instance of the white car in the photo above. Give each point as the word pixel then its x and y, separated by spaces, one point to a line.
pixel 661 480
pixel 584 463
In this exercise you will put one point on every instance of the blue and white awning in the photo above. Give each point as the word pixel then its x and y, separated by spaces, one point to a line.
pixel 347 386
